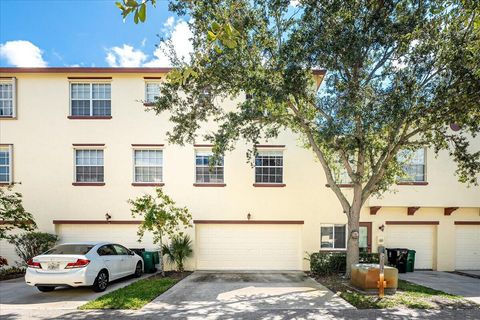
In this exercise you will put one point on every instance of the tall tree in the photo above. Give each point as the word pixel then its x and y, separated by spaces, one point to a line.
pixel 399 73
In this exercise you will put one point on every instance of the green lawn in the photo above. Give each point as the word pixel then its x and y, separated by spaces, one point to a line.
pixel 408 295
pixel 133 296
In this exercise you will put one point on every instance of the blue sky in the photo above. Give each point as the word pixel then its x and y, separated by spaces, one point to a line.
pixel 84 33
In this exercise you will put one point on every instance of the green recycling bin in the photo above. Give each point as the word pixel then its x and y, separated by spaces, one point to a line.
pixel 148 261
pixel 156 257
pixel 411 260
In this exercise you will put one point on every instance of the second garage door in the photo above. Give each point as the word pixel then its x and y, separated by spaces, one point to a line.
pixel 248 247
pixel 467 247
pixel 420 238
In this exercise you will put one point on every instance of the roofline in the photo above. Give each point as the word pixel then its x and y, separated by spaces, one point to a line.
pixel 103 70
pixel 83 70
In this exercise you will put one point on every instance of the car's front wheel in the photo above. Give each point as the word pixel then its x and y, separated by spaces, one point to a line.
pixel 101 282
pixel 138 270
pixel 46 288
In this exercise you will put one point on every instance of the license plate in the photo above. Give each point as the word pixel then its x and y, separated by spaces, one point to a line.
pixel 53 266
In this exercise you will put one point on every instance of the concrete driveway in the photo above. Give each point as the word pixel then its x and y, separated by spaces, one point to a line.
pixel 16 295
pixel 465 286
pixel 229 294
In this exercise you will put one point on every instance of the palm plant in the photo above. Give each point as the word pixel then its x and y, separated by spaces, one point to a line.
pixel 179 249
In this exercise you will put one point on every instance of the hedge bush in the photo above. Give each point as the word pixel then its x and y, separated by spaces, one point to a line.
pixel 31 244
pixel 327 263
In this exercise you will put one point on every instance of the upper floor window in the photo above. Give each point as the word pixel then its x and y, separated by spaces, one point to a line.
pixel 7 98
pixel 205 170
pixel 152 91
pixel 148 166
pixel 90 99
pixel 333 236
pixel 269 167
pixel 89 165
pixel 414 165
pixel 5 164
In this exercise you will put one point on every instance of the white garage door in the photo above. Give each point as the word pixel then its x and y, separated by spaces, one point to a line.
pixel 420 238
pixel 248 247
pixel 467 253
pixel 124 234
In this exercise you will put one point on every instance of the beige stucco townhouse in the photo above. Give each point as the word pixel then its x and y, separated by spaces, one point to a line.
pixel 77 143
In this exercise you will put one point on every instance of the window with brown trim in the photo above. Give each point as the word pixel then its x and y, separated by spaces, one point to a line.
pixel 148 165
pixel 8 98
pixel 414 165
pixel 90 99
pixel 206 171
pixel 89 165
pixel 152 91
pixel 269 167
pixel 6 164
pixel 333 236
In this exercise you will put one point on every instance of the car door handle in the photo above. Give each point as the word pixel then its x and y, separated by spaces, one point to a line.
pixel 107 260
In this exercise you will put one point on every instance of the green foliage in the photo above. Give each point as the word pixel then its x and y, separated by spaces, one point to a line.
pixel 138 9
pixel 12 211
pixel 179 249
pixel 133 296
pixel 328 263
pixel 31 244
pixel 11 272
pixel 160 216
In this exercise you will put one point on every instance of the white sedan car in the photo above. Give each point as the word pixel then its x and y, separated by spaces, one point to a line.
pixel 82 264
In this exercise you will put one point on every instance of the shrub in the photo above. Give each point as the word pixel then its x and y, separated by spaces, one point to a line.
pixel 327 263
pixel 31 244
pixel 179 249
pixel 11 273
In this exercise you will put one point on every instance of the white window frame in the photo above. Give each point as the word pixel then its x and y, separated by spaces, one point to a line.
pixel 146 90
pixel 209 151
pixel 96 148
pixel 425 179
pixel 10 163
pixel 333 225
pixel 90 83
pixel 270 150
pixel 134 165
pixel 13 82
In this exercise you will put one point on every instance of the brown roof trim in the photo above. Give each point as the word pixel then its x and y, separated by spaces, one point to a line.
pixel 209 184
pixel 84 70
pixel 147 145
pixel 89 78
pixel 88 144
pixel 269 185
pixel 412 222
pixel 96 222
pixel 248 221
pixel 89 117
pixel 149 184
pixel 465 223
pixel 152 78
pixel 104 70
pixel 269 146
pixel 411 210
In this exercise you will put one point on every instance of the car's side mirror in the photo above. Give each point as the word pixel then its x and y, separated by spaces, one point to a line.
pixel 131 253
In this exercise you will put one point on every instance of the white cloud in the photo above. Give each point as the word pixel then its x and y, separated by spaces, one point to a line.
pixel 294 3
pixel 180 39
pixel 125 56
pixel 128 56
pixel 21 53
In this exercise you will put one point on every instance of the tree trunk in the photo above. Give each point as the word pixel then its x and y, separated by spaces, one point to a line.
pixel 354 230
pixel 162 269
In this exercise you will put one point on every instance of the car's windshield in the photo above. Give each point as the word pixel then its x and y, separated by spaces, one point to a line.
pixel 70 249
